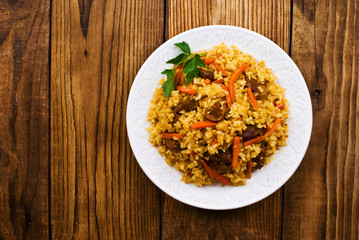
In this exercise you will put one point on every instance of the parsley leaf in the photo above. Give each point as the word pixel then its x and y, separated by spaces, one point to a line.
pixel 184 47
pixel 169 73
pixel 178 59
pixel 190 67
pixel 169 85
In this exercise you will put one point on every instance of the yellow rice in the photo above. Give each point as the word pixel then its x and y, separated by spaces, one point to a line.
pixel 242 113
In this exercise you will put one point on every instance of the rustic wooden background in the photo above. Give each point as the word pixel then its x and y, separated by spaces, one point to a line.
pixel 66 167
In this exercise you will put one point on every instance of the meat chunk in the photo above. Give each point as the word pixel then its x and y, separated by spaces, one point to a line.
pixel 253 85
pixel 262 89
pixel 215 113
pixel 176 117
pixel 251 132
pixel 172 145
pixel 261 96
pixel 224 157
pixel 206 74
pixel 260 160
pixel 188 105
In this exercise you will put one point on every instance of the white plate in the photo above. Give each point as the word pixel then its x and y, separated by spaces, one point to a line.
pixel 263 182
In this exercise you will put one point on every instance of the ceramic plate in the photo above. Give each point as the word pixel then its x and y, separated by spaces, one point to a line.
pixel 264 181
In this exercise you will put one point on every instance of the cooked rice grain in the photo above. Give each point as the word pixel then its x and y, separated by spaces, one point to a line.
pixel 239 117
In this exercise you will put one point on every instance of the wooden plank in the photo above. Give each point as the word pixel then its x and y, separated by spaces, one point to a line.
pixel 261 220
pixel 24 125
pixel 321 200
pixel 263 16
pixel 97 188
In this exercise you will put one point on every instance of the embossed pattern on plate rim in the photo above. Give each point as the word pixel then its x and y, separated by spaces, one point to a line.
pixel 265 181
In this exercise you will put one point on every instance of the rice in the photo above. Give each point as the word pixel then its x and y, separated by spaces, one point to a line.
pixel 196 144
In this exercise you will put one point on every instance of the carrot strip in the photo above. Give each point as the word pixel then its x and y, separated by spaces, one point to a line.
pixel 171 135
pixel 214 142
pixel 207 81
pixel 270 131
pixel 234 77
pixel 236 141
pixel 218 81
pixel 267 134
pixel 228 96
pixel 219 68
pixel 203 124
pixel 249 169
pixel 218 55
pixel 281 106
pixel 252 98
pixel 215 175
pixel 178 76
pixel 208 61
pixel 253 140
pixel 189 91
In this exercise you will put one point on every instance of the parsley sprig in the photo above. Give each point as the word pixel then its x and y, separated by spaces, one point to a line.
pixel 190 61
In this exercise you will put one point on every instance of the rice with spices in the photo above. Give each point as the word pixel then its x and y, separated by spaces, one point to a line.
pixel 213 146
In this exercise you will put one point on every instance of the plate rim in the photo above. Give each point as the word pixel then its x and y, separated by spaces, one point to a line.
pixel 267 193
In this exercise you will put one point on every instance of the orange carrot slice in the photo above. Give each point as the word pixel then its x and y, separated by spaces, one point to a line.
pixel 228 96
pixel 236 142
pixel 171 135
pixel 249 169
pixel 252 98
pixel 215 175
pixel 186 90
pixel 203 124
pixel 219 68
pixel 234 77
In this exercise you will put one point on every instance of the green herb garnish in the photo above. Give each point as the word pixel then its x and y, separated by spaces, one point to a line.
pixel 190 61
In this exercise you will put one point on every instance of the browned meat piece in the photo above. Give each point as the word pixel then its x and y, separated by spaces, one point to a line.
pixel 256 88
pixel 214 113
pixel 224 157
pixel 264 88
pixel 188 105
pixel 260 160
pixel 262 131
pixel 261 96
pixel 176 117
pixel 206 74
pixel 173 145
pixel 253 85
pixel 251 132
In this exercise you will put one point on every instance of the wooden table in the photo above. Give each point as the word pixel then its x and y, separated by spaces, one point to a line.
pixel 66 167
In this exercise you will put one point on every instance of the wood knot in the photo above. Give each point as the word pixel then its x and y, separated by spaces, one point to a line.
pixel 4 158
pixel 16 4
pixel 316 92
pixel 86 52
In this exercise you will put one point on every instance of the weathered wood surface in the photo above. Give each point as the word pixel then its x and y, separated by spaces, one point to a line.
pixel 66 167
pixel 321 199
pixel 24 119
pixel 97 188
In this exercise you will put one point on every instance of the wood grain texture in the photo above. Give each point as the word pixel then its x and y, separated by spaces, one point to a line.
pixel 261 220
pixel 269 18
pixel 24 119
pixel 98 191
pixel 321 200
